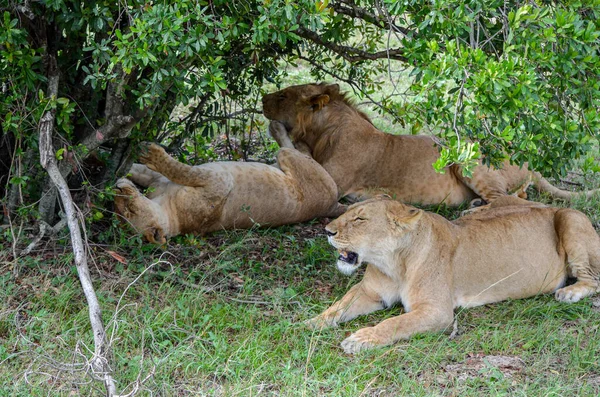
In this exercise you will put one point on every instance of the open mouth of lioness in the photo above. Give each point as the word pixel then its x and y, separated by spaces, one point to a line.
pixel 347 262
pixel 349 257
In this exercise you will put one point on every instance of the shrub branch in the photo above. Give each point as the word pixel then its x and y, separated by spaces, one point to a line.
pixel 351 54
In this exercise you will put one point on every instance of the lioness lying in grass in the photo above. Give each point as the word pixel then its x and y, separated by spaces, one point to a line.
pixel 223 195
pixel 514 249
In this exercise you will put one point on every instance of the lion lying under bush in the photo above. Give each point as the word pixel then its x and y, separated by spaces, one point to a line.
pixel 223 195
pixel 364 161
pixel 509 251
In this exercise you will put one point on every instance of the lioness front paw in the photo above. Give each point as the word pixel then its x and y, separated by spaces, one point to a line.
pixel 364 338
pixel 574 293
pixel 151 155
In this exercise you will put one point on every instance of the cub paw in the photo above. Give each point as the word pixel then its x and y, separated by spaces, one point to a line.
pixel 151 155
pixel 364 338
pixel 126 192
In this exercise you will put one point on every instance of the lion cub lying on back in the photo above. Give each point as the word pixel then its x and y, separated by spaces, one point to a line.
pixel 223 195
pixel 431 265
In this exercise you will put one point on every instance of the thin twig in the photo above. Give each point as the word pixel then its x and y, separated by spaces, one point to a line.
pixel 352 10
pixel 44 228
pixel 571 183
pixel 454 332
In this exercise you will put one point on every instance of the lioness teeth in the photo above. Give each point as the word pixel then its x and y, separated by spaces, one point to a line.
pixel 348 257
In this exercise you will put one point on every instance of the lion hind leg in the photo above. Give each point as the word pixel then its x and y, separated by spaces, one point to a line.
pixel 582 248
pixel 491 184
pixel 278 132
pixel 155 158
pixel 144 176
pixel 487 183
pixel 311 180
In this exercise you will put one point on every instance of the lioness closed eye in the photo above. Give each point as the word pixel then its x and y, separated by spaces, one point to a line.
pixel 510 251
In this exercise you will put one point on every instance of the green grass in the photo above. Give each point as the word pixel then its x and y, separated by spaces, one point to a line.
pixel 224 317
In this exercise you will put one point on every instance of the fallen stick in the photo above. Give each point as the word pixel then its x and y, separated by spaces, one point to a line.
pixel 99 363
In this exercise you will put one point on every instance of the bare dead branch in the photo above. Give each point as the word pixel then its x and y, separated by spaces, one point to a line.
pixel 571 182
pixel 454 332
pixel 118 124
pixel 99 364
pixel 233 115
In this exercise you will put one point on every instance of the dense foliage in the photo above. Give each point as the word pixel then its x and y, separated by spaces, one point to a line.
pixel 519 79
pixel 500 79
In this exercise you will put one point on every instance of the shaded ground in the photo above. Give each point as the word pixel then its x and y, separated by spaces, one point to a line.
pixel 223 316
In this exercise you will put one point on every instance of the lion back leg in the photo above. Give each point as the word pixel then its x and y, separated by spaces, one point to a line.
pixel 155 158
pixel 491 184
pixel 278 132
pixel 317 188
pixel 582 247
pixel 144 176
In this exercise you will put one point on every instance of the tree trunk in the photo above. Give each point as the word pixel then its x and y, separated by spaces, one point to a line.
pixel 119 159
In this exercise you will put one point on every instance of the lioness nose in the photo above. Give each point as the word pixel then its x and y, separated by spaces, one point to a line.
pixel 330 233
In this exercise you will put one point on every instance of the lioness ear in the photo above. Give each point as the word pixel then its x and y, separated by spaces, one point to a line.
pixel 403 219
pixel 159 236
pixel 383 196
pixel 318 101
pixel 155 235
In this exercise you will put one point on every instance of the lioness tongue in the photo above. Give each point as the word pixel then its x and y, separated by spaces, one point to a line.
pixel 348 257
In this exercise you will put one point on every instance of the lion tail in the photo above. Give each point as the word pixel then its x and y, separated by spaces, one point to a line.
pixel 543 185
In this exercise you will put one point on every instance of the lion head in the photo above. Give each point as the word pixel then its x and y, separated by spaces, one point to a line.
pixel 370 231
pixel 312 113
pixel 143 214
pixel 292 104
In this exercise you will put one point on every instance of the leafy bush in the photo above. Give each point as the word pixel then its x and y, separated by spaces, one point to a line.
pixel 494 80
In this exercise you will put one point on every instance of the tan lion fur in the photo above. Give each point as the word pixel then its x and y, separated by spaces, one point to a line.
pixel 223 195
pixel 512 250
pixel 364 161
